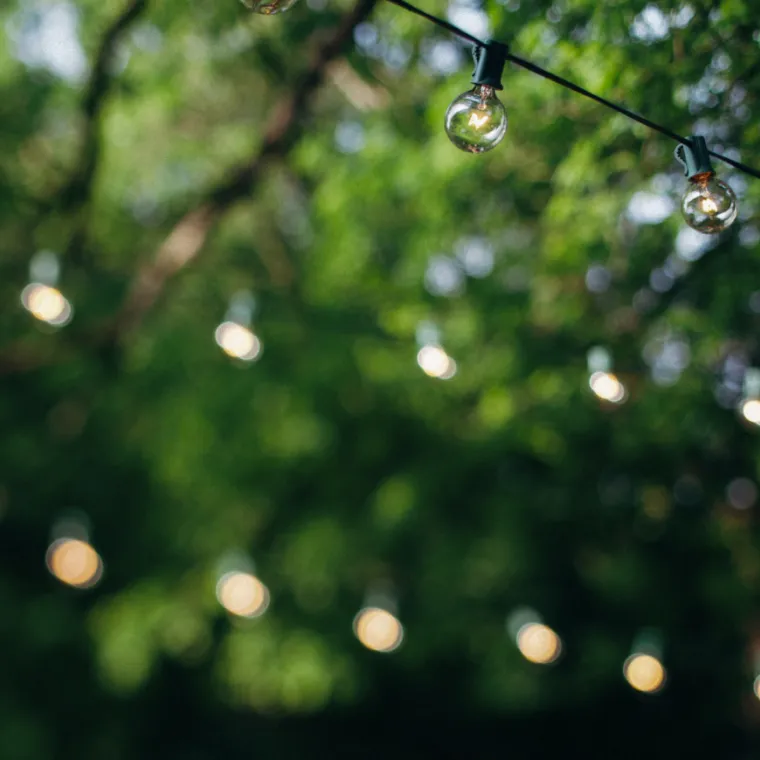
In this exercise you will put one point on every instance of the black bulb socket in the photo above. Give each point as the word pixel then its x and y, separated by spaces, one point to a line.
pixel 489 64
pixel 695 158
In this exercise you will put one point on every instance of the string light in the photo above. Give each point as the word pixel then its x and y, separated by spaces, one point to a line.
pixel 242 594
pixel 536 641
pixel 234 335
pixel 644 672
pixel 602 382
pixel 708 205
pixel 74 562
pixel 40 297
pixel 643 669
pixel 237 341
pixel 378 629
pixel 749 406
pixel 476 121
pixel 431 357
pixel 710 209
pixel 46 304
pixel 435 362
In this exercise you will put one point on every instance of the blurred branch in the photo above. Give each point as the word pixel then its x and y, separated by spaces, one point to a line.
pixel 79 187
pixel 360 94
pixel 187 238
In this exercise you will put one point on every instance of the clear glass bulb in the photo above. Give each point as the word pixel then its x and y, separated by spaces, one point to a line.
pixel 476 121
pixel 709 205
pixel 268 7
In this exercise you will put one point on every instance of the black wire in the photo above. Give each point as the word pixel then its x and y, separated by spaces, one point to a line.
pixel 532 67
pixel 581 91
pixel 736 164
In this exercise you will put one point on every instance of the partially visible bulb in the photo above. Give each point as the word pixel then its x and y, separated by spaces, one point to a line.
pixel 708 204
pixel 237 341
pixel 476 121
pixel 269 7
pixel 46 304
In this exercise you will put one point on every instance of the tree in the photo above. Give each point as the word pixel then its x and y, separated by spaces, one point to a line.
pixel 175 154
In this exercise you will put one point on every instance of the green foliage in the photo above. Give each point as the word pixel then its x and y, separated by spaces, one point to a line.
pixel 333 461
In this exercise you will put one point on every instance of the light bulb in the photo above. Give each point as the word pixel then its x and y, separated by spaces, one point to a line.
pixel 242 594
pixel 378 629
pixel 269 7
pixel 74 562
pixel 476 121
pixel 644 672
pixel 237 341
pixel 538 643
pixel 607 387
pixel 708 204
pixel 435 362
pixel 46 304
pixel 750 409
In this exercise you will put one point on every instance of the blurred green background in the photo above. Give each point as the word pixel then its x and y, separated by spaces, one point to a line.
pixel 174 154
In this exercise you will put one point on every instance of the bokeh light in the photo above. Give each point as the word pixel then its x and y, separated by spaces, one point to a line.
pixel 46 304
pixel 242 594
pixel 750 410
pixel 538 643
pixel 74 562
pixel 237 341
pixel 644 672
pixel 756 687
pixel 378 629
pixel 607 387
pixel 435 362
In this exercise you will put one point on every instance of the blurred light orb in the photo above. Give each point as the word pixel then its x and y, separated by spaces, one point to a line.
pixel 644 672
pixel 74 562
pixel 237 341
pixel 607 387
pixel 242 594
pixel 378 629
pixel 435 362
pixel 269 7
pixel 46 304
pixel 750 410
pixel 756 687
pixel 538 643
pixel 741 493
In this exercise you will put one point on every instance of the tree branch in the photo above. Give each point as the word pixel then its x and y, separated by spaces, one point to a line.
pixel 187 238
pixel 77 190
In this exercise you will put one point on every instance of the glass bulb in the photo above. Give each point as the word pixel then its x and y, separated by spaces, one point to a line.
pixel 476 121
pixel 709 205
pixel 269 7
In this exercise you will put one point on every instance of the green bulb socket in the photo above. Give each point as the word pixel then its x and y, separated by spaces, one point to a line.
pixel 489 64
pixel 695 158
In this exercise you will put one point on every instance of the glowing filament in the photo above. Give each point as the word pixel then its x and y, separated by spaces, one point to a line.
pixel 708 206
pixel 478 120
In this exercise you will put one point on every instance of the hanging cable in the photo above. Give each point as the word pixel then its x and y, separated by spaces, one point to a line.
pixel 535 69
